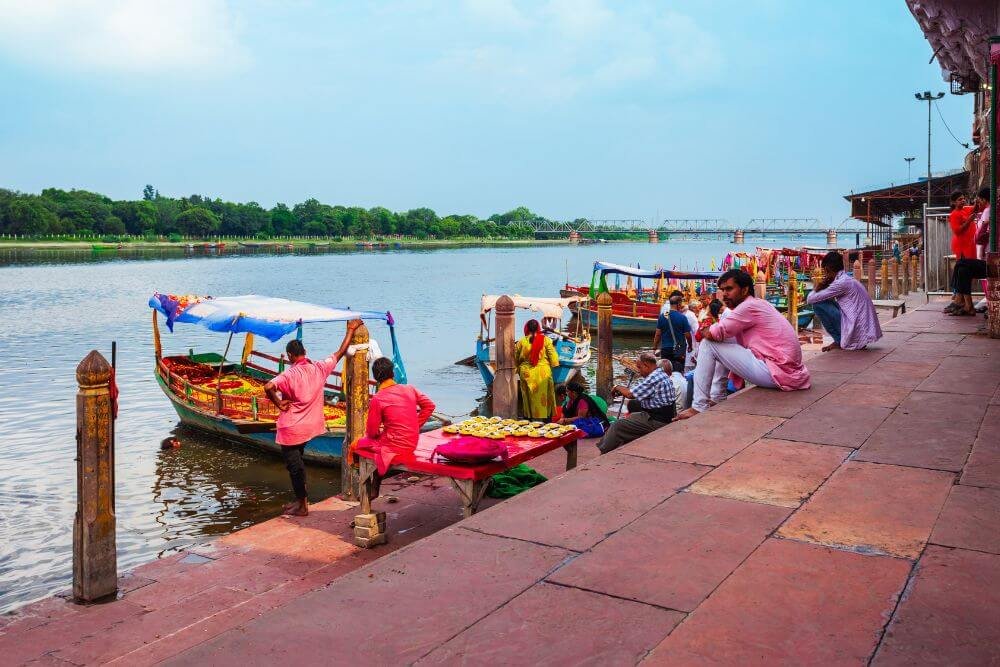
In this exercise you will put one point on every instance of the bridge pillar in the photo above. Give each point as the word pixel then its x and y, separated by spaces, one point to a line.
pixel 654 237
pixel 574 236
pixel 738 236
pixel 831 237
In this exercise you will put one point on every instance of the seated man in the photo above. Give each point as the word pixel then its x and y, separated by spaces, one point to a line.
pixel 843 306
pixel 765 352
pixel 395 415
pixel 653 405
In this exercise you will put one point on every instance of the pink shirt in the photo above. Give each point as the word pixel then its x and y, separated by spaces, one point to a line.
pixel 757 326
pixel 394 422
pixel 302 384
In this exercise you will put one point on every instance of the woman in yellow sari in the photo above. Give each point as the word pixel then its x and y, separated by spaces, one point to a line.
pixel 536 357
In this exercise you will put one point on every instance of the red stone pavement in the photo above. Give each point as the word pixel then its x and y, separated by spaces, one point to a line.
pixel 852 523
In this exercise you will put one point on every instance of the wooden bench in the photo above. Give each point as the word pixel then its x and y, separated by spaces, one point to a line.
pixel 471 481
pixel 896 305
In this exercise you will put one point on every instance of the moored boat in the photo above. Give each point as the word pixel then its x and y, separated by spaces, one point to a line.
pixel 225 397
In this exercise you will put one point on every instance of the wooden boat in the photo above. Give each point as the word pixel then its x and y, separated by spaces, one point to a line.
pixel 572 347
pixel 225 397
pixel 633 311
pixel 255 245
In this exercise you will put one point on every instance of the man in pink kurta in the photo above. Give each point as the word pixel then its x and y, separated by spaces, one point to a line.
pixel 395 415
pixel 298 394
pixel 766 351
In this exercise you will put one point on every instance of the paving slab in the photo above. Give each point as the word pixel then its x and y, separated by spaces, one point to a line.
pixel 949 614
pixel 707 439
pixel 970 520
pixel 964 375
pixel 790 603
pixel 872 508
pixel 977 346
pixel 587 505
pixel 983 466
pixel 776 403
pixel 927 430
pixel 845 361
pixel 946 340
pixel 921 352
pixel 555 625
pixel 831 422
pixel 903 374
pixel 392 611
pixel 891 340
pixel 776 472
pixel 853 393
pixel 676 554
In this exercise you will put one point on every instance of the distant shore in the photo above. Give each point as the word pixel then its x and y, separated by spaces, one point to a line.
pixel 304 244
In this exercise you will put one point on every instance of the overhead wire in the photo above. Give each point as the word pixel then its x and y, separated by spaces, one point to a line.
pixel 941 116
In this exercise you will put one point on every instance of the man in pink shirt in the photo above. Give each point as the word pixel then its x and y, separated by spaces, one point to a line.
pixel 395 415
pixel 298 394
pixel 766 351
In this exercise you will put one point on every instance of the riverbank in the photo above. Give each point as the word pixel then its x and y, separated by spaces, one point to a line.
pixel 851 522
pixel 283 244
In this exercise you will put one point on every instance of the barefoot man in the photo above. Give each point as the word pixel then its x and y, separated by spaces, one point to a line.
pixel 765 352
pixel 298 394
pixel 843 306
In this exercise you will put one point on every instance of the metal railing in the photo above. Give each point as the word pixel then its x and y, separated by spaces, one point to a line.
pixel 937 248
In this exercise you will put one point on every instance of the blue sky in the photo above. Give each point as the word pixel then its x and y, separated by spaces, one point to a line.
pixel 574 108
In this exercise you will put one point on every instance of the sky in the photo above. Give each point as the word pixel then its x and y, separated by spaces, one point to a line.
pixel 602 109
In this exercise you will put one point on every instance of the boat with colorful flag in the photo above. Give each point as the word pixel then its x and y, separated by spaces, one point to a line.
pixel 635 307
pixel 225 397
pixel 572 345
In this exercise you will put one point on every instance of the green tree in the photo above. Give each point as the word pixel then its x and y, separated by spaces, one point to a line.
pixel 198 221
pixel 27 216
pixel 282 220
pixel 148 193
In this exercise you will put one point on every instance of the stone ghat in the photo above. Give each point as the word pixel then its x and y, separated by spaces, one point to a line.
pixel 855 522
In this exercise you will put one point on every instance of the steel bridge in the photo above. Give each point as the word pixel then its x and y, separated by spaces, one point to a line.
pixel 700 226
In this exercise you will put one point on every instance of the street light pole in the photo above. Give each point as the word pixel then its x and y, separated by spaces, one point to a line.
pixel 909 163
pixel 926 96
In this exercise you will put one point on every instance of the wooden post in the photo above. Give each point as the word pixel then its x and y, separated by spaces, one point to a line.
pixel 793 300
pixel 894 278
pixel 904 278
pixel 884 280
pixel 605 339
pixel 871 278
pixel 857 272
pixel 505 379
pixel 914 273
pixel 95 565
pixel 760 286
pixel 356 390
pixel 157 348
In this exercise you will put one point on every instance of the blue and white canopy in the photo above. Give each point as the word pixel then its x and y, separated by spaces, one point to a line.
pixel 668 274
pixel 265 316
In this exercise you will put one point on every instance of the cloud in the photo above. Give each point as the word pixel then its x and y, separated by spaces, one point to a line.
pixel 190 37
pixel 560 49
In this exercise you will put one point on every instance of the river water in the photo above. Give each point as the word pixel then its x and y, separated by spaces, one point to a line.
pixel 55 306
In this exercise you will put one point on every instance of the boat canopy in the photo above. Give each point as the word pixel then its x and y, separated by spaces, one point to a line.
pixel 266 316
pixel 667 274
pixel 547 306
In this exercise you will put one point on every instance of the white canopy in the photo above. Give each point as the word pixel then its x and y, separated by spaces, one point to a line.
pixel 547 306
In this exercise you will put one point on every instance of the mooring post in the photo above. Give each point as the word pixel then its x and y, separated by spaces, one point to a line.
pixel 505 378
pixel 904 278
pixel 760 286
pixel 356 390
pixel 871 278
pixel 914 273
pixel 95 565
pixel 857 272
pixel 894 278
pixel 605 343
pixel 884 281
pixel 793 299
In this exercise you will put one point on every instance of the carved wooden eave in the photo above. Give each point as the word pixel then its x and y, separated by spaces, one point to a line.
pixel 958 31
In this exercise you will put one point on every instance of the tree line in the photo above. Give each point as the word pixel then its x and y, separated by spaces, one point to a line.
pixel 83 213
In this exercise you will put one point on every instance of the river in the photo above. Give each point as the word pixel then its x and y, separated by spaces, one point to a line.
pixel 55 306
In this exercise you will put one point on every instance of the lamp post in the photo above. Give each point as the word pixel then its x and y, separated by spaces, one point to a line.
pixel 926 96
pixel 909 163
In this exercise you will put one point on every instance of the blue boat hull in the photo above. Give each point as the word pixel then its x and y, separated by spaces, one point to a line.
pixel 560 374
pixel 620 323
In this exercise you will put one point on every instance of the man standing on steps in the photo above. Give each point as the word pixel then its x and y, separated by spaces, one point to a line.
pixel 673 335
pixel 766 350
pixel 298 394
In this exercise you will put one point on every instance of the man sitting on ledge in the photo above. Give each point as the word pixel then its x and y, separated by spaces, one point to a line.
pixel 652 406
pixel 766 352
pixel 843 306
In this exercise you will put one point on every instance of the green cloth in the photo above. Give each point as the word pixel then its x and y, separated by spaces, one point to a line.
pixel 518 479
